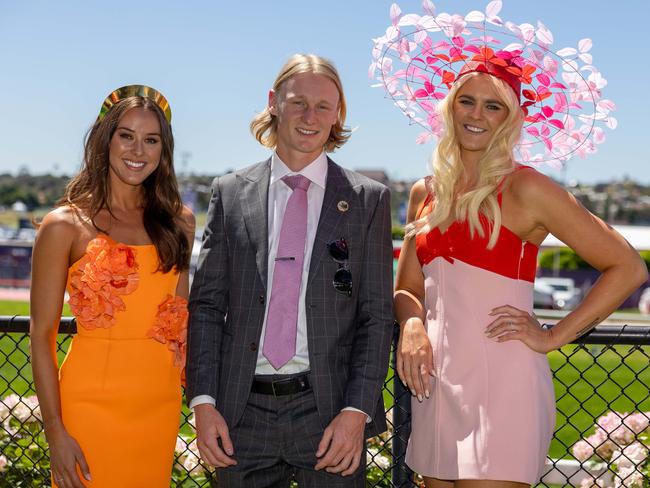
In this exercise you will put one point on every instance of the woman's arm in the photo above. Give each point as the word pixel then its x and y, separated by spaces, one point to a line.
pixel 414 351
pixel 556 211
pixel 50 262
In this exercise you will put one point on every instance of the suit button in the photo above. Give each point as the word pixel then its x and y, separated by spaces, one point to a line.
pixel 261 299
pixel 253 346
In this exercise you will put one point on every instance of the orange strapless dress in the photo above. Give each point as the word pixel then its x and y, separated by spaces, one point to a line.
pixel 120 382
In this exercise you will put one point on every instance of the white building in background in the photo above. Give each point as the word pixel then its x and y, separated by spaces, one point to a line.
pixel 19 206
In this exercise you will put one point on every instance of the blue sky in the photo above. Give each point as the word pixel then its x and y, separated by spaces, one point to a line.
pixel 215 62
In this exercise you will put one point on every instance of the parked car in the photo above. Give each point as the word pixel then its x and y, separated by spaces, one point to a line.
pixel 565 294
pixel 644 302
pixel 543 295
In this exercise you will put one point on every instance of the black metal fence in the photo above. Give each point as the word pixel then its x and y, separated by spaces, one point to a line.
pixel 603 377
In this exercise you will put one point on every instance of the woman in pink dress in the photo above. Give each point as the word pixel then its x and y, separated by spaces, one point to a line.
pixel 470 350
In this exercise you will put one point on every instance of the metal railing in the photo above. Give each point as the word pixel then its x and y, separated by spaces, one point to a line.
pixel 606 371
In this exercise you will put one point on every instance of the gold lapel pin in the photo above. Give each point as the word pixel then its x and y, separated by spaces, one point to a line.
pixel 343 206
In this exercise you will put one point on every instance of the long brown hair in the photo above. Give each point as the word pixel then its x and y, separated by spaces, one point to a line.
pixel 90 189
pixel 264 125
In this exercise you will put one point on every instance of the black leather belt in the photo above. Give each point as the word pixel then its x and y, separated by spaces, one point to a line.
pixel 280 387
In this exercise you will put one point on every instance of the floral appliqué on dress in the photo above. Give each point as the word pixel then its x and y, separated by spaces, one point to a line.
pixel 107 271
pixel 170 327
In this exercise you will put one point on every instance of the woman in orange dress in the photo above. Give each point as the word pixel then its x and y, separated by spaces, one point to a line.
pixel 119 242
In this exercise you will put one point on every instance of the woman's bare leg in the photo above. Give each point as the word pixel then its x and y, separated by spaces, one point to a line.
pixel 436 483
pixel 488 484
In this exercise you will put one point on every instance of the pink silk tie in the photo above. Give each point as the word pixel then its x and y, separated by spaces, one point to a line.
pixel 282 319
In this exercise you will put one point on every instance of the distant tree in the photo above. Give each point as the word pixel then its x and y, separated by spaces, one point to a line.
pixel 33 190
pixel 567 259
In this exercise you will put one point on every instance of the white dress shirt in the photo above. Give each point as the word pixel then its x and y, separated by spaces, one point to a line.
pixel 279 193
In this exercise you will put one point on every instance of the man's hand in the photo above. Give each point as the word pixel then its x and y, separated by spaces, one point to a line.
pixel 210 426
pixel 340 449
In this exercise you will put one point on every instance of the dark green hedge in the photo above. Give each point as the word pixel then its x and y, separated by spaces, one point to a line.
pixel 570 260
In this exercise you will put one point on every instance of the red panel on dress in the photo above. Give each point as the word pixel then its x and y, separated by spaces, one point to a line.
pixel 511 257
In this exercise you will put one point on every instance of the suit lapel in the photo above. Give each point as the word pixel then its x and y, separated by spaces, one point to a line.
pixel 337 188
pixel 254 204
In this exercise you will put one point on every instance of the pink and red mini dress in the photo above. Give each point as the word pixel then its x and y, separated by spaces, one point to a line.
pixel 491 413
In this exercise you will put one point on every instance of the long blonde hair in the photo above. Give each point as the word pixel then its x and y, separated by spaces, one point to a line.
pixel 264 125
pixel 494 165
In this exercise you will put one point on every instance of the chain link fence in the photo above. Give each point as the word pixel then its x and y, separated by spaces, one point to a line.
pixel 602 387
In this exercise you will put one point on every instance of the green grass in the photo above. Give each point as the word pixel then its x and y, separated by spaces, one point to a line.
pixel 9 218
pixel 630 310
pixel 14 308
pixel 14 353
pixel 8 307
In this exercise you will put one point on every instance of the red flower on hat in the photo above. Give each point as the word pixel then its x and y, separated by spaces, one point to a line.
pixel 487 55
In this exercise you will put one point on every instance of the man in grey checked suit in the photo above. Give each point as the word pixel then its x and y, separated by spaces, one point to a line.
pixel 285 372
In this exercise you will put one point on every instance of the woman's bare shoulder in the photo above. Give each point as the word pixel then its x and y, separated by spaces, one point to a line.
pixel 526 183
pixel 63 219
pixel 420 190
pixel 418 195
pixel 59 232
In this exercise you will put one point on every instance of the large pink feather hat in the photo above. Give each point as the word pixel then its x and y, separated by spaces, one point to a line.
pixel 420 56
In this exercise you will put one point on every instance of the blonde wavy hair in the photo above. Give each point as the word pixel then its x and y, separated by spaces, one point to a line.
pixel 494 165
pixel 264 125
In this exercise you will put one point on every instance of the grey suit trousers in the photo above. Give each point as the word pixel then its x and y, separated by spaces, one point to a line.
pixel 276 441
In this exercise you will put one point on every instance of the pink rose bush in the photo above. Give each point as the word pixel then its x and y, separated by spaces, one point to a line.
pixel 23 448
pixel 622 442
pixel 17 412
pixel 379 458
pixel 191 459
pixel 188 462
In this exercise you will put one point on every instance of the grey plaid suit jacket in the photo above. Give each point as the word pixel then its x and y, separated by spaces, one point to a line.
pixel 348 337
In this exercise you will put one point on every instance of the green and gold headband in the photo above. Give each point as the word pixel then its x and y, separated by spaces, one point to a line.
pixel 136 91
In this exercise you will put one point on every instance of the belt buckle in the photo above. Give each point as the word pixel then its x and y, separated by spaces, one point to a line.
pixel 275 395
